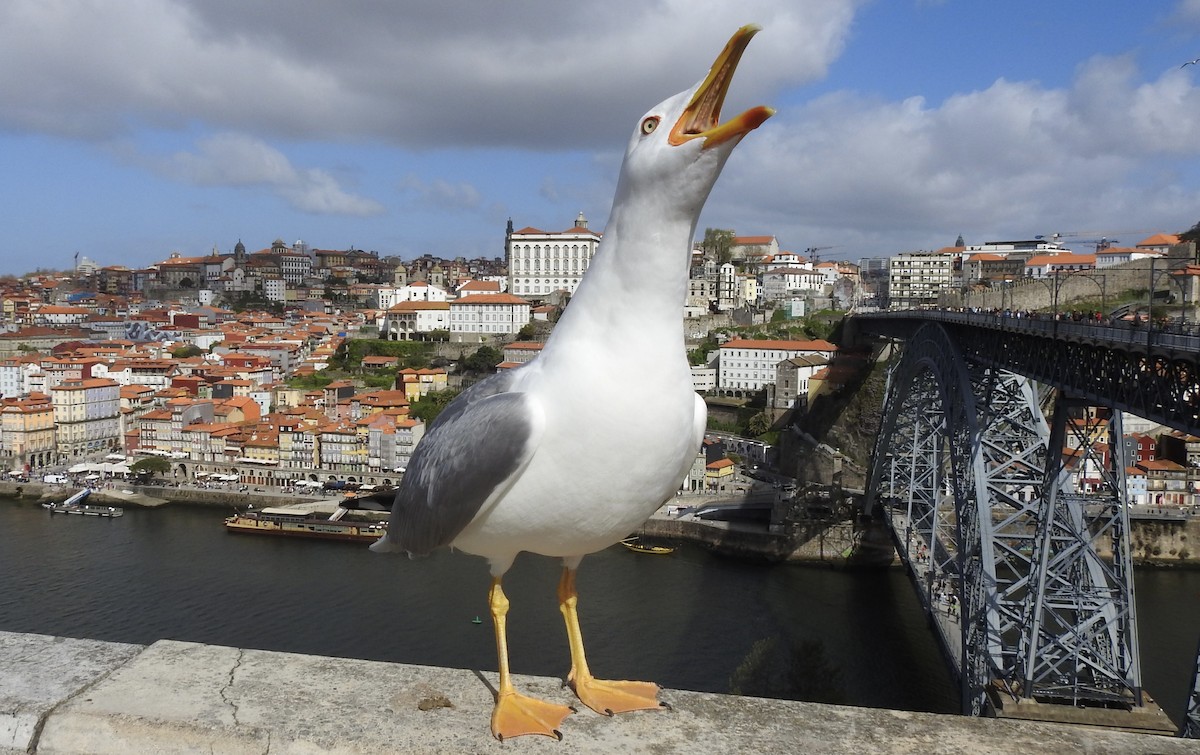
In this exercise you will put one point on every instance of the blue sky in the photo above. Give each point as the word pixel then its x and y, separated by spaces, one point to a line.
pixel 136 129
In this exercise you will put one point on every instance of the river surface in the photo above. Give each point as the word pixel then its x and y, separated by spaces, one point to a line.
pixel 690 620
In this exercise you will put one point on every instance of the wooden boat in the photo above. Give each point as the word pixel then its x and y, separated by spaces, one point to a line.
pixel 636 545
pixel 289 523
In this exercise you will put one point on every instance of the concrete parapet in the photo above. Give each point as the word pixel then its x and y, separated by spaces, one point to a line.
pixel 80 696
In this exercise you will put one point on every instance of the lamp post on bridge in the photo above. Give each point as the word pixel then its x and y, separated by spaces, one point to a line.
pixel 1170 277
pixel 1088 273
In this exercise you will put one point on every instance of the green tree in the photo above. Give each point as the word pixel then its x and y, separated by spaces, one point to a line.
pixel 760 424
pixel 184 352
pixel 150 465
pixel 1191 234
pixel 484 359
pixel 429 406
pixel 699 355
pixel 718 244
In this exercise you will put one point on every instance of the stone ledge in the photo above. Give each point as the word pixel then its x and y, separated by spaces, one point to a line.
pixel 38 673
pixel 177 697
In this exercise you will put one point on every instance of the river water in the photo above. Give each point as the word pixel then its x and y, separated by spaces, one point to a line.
pixel 690 620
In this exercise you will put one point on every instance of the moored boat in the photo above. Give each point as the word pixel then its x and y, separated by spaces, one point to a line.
pixel 75 505
pixel 289 523
pixel 636 545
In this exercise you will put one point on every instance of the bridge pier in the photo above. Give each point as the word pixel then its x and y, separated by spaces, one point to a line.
pixel 975 486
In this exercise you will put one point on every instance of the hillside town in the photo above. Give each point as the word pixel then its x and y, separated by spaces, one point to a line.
pixel 221 365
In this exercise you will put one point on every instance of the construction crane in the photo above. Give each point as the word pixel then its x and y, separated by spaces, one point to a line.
pixel 1104 241
pixel 814 253
pixel 1100 244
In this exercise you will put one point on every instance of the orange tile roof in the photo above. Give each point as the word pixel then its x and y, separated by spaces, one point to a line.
pixel 752 240
pixel 1160 239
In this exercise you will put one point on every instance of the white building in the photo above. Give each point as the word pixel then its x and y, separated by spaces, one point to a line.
pixel 542 262
pixel 728 288
pixel 1117 255
pixel 12 378
pixel 275 289
pixel 704 377
pixel 782 283
pixel 415 291
pixel 409 318
pixel 295 266
pixel 52 315
pixel 489 314
pixel 1047 265
pixel 749 365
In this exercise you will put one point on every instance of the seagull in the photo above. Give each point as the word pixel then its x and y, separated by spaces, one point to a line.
pixel 568 454
pixel 1190 63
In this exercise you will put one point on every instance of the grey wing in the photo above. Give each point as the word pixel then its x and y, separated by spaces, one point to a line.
pixel 475 448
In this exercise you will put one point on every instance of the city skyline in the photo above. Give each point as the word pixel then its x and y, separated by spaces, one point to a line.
pixel 169 125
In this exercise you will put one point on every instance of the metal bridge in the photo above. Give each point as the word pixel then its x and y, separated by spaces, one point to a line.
pixel 1020 551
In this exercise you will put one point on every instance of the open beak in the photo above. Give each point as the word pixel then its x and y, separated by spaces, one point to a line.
pixel 701 118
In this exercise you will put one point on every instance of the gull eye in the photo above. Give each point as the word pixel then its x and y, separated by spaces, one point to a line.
pixel 650 124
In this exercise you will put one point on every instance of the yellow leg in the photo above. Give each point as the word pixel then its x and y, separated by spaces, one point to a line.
pixel 604 697
pixel 515 714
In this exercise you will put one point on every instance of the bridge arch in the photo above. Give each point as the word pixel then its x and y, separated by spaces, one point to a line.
pixel 977 504
pixel 927 475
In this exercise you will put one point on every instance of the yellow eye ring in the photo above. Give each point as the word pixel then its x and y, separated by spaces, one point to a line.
pixel 649 125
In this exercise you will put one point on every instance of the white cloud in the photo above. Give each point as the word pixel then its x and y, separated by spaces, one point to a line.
pixel 1187 12
pixel 443 194
pixel 536 74
pixel 237 160
pixel 1014 159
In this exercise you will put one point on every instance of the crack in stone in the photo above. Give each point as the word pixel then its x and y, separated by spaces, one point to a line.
pixel 36 739
pixel 229 684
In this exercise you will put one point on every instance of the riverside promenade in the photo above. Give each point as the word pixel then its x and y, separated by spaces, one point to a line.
pixel 60 696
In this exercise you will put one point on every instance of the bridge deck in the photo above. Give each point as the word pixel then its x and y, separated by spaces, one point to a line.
pixel 943 616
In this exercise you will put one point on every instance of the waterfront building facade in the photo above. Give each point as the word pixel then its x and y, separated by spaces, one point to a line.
pixel 86 415
pixel 27 436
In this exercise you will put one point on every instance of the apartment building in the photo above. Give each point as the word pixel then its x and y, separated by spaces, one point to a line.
pixel 86 415
pixel 917 279
pixel 27 434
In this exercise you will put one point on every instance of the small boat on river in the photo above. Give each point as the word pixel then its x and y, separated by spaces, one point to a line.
pixel 637 546
pixel 290 523
pixel 75 505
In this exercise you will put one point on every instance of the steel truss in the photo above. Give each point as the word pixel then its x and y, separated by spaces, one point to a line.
pixel 1081 628
pixel 961 467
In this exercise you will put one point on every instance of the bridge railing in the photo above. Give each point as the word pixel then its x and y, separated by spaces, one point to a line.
pixel 1170 336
